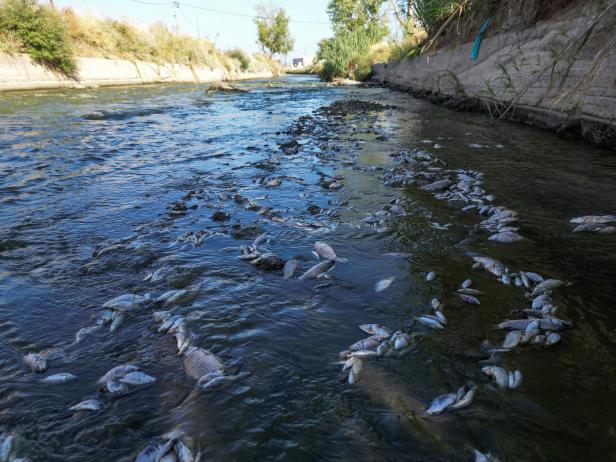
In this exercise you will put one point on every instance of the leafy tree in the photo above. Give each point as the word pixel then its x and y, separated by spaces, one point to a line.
pixel 273 30
pixel 351 15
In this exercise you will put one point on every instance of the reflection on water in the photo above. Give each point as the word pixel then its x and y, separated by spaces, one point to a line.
pixel 89 170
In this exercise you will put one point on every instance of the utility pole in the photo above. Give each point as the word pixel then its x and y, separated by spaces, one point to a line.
pixel 174 11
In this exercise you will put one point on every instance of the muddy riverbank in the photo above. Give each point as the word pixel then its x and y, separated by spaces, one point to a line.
pixel 145 190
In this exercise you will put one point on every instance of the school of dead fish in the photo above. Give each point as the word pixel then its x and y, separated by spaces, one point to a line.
pixel 539 328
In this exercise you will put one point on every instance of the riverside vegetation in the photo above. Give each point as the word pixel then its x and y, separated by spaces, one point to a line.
pixel 56 37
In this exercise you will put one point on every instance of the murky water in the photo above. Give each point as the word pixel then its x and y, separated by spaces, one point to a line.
pixel 87 169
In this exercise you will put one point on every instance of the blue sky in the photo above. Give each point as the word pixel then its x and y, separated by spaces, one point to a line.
pixel 228 31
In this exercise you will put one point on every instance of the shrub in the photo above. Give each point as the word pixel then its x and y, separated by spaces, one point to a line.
pixel 38 31
pixel 241 57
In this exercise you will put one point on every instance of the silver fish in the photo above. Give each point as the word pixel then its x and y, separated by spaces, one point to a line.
pixel 199 362
pixel 498 374
pixel 104 317
pixel 57 379
pixel 324 250
pixel 136 378
pixel 430 322
pixel 116 389
pixel 161 316
pixel 440 403
pixel 183 452
pixel 36 362
pixel 481 457
pixel 84 332
pixel 533 328
pixel 514 380
pixel 524 279
pixel 118 319
pixel 506 237
pixel 117 372
pixel 491 266
pixel 534 277
pixel 383 284
pixel 466 400
pixel 400 340
pixel 540 301
pixel 548 284
pixel 289 269
pixel 126 301
pixel 594 219
pixel 469 291
pixel 435 303
pixel 319 268
pixel 430 276
pixel 466 284
pixel 376 329
pixel 512 339
pixel 469 299
pixel 6 447
pixel 87 405
pixel 155 451
pixel 552 338
pixel 369 343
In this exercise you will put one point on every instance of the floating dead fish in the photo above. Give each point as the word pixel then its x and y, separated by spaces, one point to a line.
pixel 118 319
pixel 104 317
pixel 6 447
pixel 469 299
pixel 536 278
pixel 369 343
pixel 491 265
pixel 466 284
pixel 184 454
pixel 514 380
pixel 356 367
pixel 199 362
pixel 84 332
pixel 376 329
pixel 481 457
pixel 174 296
pixel 548 284
pixel 430 322
pixel 440 403
pixel 125 302
pixel 469 291
pixel 161 316
pixel 466 400
pixel 398 255
pixel 430 276
pixel 552 338
pixel 400 340
pixel 540 301
pixel 155 451
pixel 438 185
pixel 115 389
pixel 87 405
pixel 117 372
pixel 324 250
pixel 289 269
pixel 259 239
pixel 594 219
pixel 383 284
pixel 506 237
pixel 512 339
pixel 435 302
pixel 498 374
pixel 318 269
pixel 58 379
pixel 36 362
pixel 136 378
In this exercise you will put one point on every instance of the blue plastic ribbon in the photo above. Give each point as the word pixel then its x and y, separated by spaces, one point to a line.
pixel 475 50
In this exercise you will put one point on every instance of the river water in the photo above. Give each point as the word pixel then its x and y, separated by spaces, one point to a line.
pixel 85 170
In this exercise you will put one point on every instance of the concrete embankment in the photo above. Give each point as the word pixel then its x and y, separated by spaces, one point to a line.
pixel 19 72
pixel 559 73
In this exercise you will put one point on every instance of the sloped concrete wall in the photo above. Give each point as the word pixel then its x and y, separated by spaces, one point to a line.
pixel 19 72
pixel 559 74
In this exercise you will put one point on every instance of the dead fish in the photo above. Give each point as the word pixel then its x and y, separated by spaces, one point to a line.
pixel 540 301
pixel 199 362
pixel 400 340
pixel 466 284
pixel 376 329
pixel 469 299
pixel 117 372
pixel 383 284
pixel 161 316
pixel 536 278
pixel 481 457
pixel 594 219
pixel 136 378
pixel 466 400
pixel 514 380
pixel 552 338
pixel 369 343
pixel 548 284
pixel 506 237
pixel 104 318
pixel 87 405
pixel 84 332
pixel 58 379
pixel 118 319
pixel 174 296
pixel 491 266
pixel 183 452
pixel 498 374
pixel 356 368
pixel 440 403
pixel 126 302
pixel 36 362
pixel 430 276
pixel 512 339
pixel 6 447
pixel 318 269
pixel 116 389
pixel 524 279
pixel 398 255
pixel 438 185
pixel 441 317
pixel 469 291
pixel 505 279
pixel 430 322
pixel 324 250
pixel 289 269
pixel 155 451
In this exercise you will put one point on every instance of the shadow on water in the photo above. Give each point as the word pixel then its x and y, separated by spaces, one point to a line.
pixel 99 188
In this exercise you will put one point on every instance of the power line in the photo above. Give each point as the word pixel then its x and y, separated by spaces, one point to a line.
pixel 213 10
